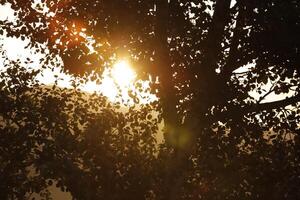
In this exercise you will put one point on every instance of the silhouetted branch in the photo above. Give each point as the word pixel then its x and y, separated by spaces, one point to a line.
pixel 231 63
pixel 275 104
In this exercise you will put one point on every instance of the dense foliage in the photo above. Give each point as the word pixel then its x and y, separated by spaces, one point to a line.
pixel 221 142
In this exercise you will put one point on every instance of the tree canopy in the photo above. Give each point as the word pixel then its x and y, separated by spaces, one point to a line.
pixel 208 57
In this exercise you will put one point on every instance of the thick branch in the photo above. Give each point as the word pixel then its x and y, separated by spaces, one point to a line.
pixel 231 64
pixel 207 82
pixel 215 34
pixel 238 112
pixel 275 104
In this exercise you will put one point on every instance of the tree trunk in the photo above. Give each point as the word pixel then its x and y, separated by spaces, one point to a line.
pixel 163 67
pixel 167 93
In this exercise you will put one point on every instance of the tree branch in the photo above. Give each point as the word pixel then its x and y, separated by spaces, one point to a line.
pixel 235 112
pixel 275 104
pixel 212 49
pixel 215 34
pixel 269 92
pixel 231 64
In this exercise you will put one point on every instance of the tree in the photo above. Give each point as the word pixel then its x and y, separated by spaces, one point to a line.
pixel 221 142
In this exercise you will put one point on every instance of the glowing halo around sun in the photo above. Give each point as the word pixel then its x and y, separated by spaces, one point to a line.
pixel 123 74
pixel 118 80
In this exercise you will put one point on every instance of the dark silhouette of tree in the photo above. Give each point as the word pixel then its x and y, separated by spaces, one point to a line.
pixel 80 141
pixel 220 142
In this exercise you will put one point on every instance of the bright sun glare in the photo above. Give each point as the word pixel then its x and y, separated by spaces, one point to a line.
pixel 123 74
pixel 120 78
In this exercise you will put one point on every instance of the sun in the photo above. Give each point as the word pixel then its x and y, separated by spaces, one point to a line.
pixel 118 80
pixel 123 74
pixel 121 79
